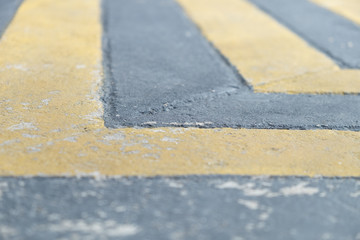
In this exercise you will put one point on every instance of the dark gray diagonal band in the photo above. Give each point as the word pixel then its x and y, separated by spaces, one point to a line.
pixel 334 35
pixel 7 11
pixel 160 71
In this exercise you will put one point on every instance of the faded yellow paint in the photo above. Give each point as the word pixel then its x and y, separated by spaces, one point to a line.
pixel 348 8
pixel 267 54
pixel 50 115
pixel 176 151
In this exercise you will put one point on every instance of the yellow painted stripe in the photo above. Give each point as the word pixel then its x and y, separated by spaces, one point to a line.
pixel 50 115
pixel 267 54
pixel 348 8
pixel 168 151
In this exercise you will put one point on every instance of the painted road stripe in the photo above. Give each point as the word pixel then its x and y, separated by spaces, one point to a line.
pixel 166 81
pixel 332 34
pixel 7 11
pixel 207 207
pixel 57 127
pixel 348 8
pixel 269 56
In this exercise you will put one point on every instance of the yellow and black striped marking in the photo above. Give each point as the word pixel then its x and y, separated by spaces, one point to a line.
pixel 52 114
pixel 132 88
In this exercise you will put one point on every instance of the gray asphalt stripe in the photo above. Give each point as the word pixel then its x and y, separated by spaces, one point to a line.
pixel 156 55
pixel 332 34
pixel 7 11
pixel 160 71
pixel 192 207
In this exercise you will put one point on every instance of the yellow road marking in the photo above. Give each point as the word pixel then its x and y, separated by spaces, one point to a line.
pixel 267 54
pixel 50 115
pixel 348 8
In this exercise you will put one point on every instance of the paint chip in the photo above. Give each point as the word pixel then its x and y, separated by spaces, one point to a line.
pixel 230 185
pixel 253 205
pixel 299 189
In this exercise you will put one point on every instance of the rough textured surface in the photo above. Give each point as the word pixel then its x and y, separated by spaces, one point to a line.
pixel 133 96
pixel 207 207
pixel 334 35
pixel 7 11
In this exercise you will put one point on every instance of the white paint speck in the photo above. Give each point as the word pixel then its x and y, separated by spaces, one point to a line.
pixel 88 194
pixel 167 139
pixel 36 148
pixel 7 232
pixel 357 236
pixel 157 130
pixel 120 209
pixel 54 92
pixel 80 66
pixel 230 185
pixel 255 192
pixel 326 236
pixel 46 101
pixel 114 137
pixel 30 135
pixel 108 228
pixel 173 184
pixel 253 205
pixel 20 126
pixel 237 238
pixel 20 67
pixel 71 139
pixel 93 115
pixel 123 230
pixel 323 194
pixel 355 194
pixel 266 214
pixel 8 142
pixel 299 189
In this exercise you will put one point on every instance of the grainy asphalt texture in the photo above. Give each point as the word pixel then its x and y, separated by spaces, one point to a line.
pixel 192 207
pixel 160 71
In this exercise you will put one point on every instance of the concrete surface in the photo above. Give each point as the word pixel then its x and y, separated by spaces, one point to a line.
pixel 192 207
pixel 57 128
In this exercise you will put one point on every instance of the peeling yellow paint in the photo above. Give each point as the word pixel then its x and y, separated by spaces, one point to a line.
pixel 50 115
pixel 348 8
pixel 267 54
